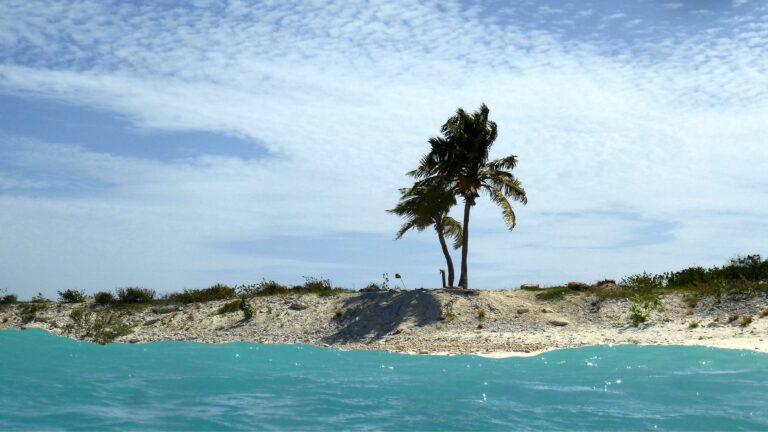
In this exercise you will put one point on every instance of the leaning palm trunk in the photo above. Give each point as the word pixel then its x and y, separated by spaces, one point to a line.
pixel 464 278
pixel 448 260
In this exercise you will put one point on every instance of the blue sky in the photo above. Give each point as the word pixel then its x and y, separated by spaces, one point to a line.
pixel 177 144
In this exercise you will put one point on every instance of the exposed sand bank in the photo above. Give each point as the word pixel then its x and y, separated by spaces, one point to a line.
pixel 487 322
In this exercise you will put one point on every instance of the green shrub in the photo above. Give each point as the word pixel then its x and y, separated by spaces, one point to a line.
pixel 215 292
pixel 103 298
pixel 643 282
pixel 71 296
pixel 270 287
pixel 554 293
pixel 28 311
pixel 107 327
pixel 745 320
pixel 135 295
pixel 246 307
pixel 481 314
pixel 642 307
pixel 40 298
pixel 693 324
pixel 230 307
pixel 316 285
pixel 8 299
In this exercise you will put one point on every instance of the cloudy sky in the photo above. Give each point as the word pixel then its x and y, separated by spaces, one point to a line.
pixel 175 144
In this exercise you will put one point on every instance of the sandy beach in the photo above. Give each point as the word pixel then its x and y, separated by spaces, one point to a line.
pixel 493 323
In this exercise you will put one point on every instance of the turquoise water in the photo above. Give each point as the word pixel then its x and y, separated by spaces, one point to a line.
pixel 49 382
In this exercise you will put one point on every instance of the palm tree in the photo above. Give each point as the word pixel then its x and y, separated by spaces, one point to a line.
pixel 459 160
pixel 427 204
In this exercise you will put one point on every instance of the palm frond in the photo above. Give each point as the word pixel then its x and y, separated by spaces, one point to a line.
pixel 505 163
pixel 404 228
pixel 452 229
pixel 508 213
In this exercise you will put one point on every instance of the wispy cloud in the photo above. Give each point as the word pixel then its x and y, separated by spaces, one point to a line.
pixel 343 96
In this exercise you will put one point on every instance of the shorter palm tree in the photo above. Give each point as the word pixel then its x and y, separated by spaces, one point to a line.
pixel 425 205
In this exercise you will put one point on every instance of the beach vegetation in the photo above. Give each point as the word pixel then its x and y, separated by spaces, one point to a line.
pixel 338 312
pixel 246 308
pixel 764 313
pixel 733 317
pixel 458 163
pixel 107 327
pixel 71 296
pixel 101 327
pixel 481 314
pixel 553 293
pixel 212 293
pixel 745 320
pixel 6 299
pixel 133 295
pixel 642 306
pixel 643 282
pixel 312 285
pixel 691 300
pixel 229 307
pixel 693 324
pixel 104 298
pixel 743 275
pixel 39 298
pixel 447 314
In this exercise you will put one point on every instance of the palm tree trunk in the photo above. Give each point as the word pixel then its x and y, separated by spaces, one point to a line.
pixel 463 279
pixel 446 252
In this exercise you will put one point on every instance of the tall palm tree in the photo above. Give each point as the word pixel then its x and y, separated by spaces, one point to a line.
pixel 459 159
pixel 425 205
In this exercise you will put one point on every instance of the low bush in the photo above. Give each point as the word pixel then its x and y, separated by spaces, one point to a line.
pixel 263 288
pixel 732 318
pixel 230 307
pixel 132 295
pixel 28 311
pixel 311 285
pixel 745 320
pixel 8 299
pixel 107 327
pixel 101 327
pixel 71 296
pixel 643 282
pixel 764 313
pixel 643 305
pixel 215 292
pixel 554 293
pixel 693 324
pixel 104 298
pixel 246 307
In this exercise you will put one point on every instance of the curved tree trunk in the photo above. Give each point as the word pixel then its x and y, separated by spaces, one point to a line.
pixel 463 279
pixel 446 252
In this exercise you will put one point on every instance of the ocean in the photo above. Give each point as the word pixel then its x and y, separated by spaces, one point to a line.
pixel 53 383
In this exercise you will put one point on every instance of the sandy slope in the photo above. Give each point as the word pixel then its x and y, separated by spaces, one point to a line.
pixel 496 323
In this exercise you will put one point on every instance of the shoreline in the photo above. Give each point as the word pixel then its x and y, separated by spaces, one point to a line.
pixel 488 323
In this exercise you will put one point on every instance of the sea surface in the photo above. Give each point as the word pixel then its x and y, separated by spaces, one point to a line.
pixel 51 383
